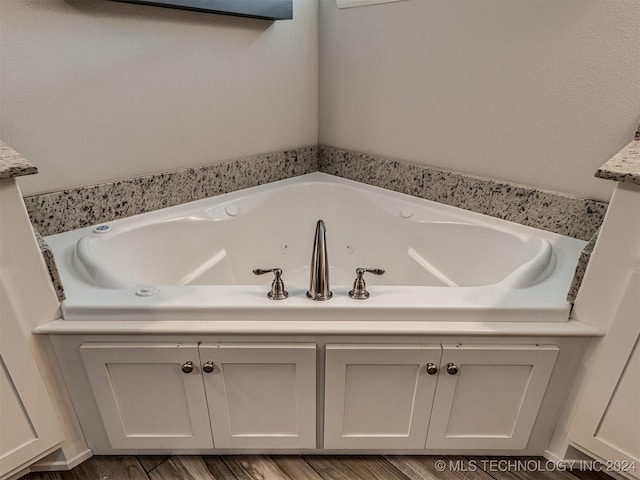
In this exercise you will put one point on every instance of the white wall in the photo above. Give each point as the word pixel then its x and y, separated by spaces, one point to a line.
pixel 93 91
pixel 535 92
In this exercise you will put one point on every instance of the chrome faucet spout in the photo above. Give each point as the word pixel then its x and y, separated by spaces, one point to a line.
pixel 319 278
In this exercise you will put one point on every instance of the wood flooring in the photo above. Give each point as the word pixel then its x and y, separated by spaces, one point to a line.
pixel 311 467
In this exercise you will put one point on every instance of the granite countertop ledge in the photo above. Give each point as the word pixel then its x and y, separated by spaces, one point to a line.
pixel 624 166
pixel 12 164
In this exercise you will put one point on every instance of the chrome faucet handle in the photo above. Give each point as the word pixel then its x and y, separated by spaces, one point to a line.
pixel 359 291
pixel 277 286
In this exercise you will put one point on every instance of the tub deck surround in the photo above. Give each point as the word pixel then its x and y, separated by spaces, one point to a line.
pixel 443 263
pixel 467 332
pixel 66 210
pixel 74 208
pixel 555 212
pixel 382 329
pixel 12 164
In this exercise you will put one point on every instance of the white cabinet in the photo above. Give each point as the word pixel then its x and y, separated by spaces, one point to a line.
pixel 607 421
pixel 482 397
pixel 261 395
pixel 28 421
pixel 36 417
pixel 172 396
pixel 145 399
pixel 491 398
pixel 378 396
pixel 197 396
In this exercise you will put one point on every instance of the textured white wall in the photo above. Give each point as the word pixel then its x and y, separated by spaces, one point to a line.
pixel 534 92
pixel 538 93
pixel 93 90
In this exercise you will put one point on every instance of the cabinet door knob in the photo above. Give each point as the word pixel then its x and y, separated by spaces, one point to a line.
pixel 452 369
pixel 187 367
pixel 208 366
pixel 432 369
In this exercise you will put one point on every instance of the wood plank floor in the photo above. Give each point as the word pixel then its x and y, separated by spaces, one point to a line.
pixel 311 467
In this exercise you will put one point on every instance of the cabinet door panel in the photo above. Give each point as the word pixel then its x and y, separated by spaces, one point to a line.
pixel 253 403
pixel 607 418
pixel 144 398
pixel 29 425
pixel 620 424
pixel 493 400
pixel 378 396
pixel 261 395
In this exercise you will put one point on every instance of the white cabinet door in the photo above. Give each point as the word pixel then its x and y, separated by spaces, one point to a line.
pixel 145 399
pixel 261 395
pixel 607 420
pixel 378 396
pixel 493 400
pixel 29 427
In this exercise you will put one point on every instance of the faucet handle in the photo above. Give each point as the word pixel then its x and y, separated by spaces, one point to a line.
pixel 359 291
pixel 277 286
pixel 375 271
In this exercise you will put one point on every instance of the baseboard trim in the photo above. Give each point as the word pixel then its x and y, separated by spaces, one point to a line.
pixel 552 457
pixel 58 465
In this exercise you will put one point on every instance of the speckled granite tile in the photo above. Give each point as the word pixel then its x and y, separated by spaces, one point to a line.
pixel 12 164
pixel 79 207
pixel 50 262
pixel 563 214
pixel 581 268
pixel 624 166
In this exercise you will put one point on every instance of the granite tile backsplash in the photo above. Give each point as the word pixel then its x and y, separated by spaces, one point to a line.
pixel 74 208
pixel 581 268
pixel 52 268
pixel 79 207
pixel 563 214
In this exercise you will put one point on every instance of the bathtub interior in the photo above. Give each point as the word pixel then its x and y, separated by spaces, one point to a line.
pixel 416 243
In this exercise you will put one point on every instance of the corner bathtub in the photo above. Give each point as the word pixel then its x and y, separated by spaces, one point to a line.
pixel 195 261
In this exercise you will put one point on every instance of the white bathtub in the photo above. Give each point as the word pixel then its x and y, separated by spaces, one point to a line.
pixel 442 263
